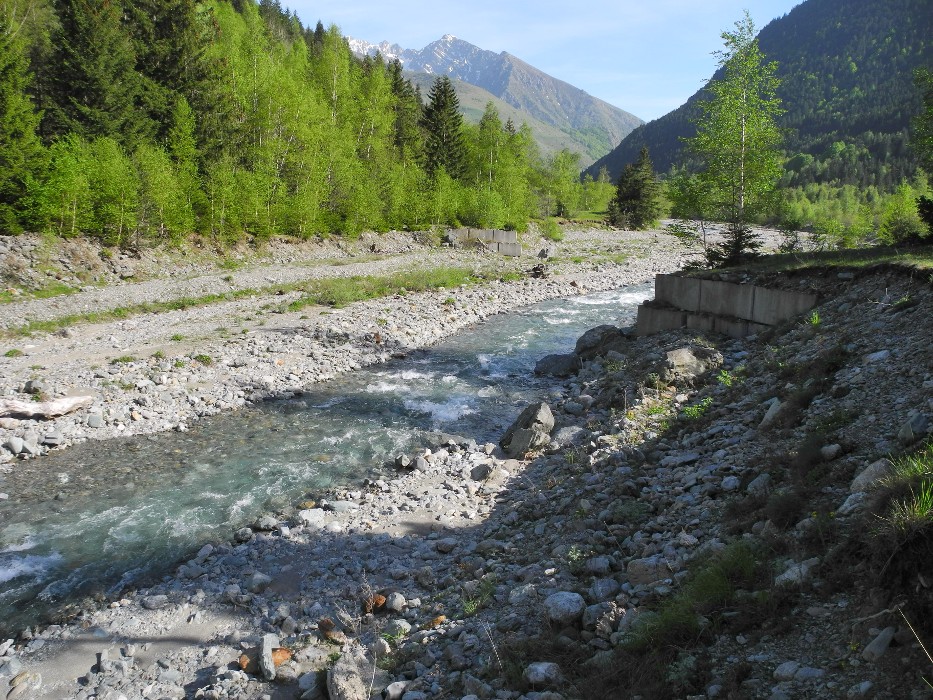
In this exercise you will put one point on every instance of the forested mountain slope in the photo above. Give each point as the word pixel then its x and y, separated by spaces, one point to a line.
pixel 846 70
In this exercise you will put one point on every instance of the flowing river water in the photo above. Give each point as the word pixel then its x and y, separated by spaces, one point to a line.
pixel 103 515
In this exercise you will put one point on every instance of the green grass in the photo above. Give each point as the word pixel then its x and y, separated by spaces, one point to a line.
pixel 54 289
pixel 902 535
pixel 913 514
pixel 589 217
pixel 709 591
pixel 123 360
pixel 340 292
pixel 13 352
pixel 335 293
pixel 230 264
pixel 916 258
pixel 617 258
pixel 912 468
pixel 124 312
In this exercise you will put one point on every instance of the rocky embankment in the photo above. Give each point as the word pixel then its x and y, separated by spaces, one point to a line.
pixel 575 562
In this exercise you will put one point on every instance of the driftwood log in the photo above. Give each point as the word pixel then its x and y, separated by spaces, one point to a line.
pixel 16 408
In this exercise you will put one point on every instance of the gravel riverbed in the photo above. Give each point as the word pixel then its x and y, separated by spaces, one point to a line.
pixel 157 372
pixel 474 573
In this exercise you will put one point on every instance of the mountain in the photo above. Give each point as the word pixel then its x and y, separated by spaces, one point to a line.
pixel 846 70
pixel 559 114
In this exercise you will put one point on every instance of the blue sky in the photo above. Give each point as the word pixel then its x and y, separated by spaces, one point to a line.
pixel 646 57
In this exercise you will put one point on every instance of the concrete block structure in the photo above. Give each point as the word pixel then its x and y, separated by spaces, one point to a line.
pixel 502 242
pixel 733 309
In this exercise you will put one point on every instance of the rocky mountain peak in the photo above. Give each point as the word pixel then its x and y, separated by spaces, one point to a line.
pixel 575 119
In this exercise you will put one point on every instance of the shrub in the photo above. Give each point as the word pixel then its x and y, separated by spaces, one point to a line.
pixel 551 230
pixel 900 220
pixel 784 509
pixel 699 409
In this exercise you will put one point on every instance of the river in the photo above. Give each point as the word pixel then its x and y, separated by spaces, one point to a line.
pixel 104 515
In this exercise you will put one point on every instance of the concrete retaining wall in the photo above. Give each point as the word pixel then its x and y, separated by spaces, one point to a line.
pixel 733 309
pixel 486 235
pixel 502 242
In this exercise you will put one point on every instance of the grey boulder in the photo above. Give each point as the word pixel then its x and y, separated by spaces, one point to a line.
pixel 530 431
pixel 559 365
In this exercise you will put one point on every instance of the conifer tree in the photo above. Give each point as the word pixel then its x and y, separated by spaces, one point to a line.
pixel 171 38
pixel 407 109
pixel 95 85
pixel 637 202
pixel 20 149
pixel 443 127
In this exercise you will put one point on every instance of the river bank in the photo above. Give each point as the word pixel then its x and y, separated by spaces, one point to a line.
pixel 158 372
pixel 473 574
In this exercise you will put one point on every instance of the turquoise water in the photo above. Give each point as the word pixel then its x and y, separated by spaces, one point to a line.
pixel 100 516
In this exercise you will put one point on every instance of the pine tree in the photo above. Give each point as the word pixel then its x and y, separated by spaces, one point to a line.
pixel 95 86
pixel 20 149
pixel 443 127
pixel 407 109
pixel 637 203
pixel 171 38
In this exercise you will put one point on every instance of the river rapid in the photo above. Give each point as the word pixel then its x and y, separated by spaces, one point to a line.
pixel 99 517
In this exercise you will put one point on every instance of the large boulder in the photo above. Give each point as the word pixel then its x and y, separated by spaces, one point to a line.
pixel 598 341
pixel 530 431
pixel 564 607
pixel 684 364
pixel 558 365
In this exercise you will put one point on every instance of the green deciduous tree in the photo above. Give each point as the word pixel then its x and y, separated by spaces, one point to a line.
pixel 63 199
pixel 598 191
pixel 443 130
pixel 900 220
pixel 637 202
pixel 114 184
pixel 164 212
pixel 738 143
pixel 560 184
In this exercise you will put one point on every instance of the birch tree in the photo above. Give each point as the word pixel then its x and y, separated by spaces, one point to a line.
pixel 738 142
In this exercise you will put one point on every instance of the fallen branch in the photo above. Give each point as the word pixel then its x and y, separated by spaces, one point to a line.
pixel 43 409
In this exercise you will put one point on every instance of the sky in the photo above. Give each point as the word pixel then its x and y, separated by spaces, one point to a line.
pixel 646 57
